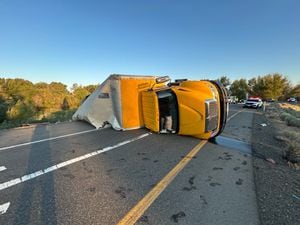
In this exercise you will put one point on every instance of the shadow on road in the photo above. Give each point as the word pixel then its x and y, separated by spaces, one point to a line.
pixel 37 198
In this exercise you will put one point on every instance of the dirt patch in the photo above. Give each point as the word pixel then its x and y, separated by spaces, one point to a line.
pixel 277 180
pixel 289 106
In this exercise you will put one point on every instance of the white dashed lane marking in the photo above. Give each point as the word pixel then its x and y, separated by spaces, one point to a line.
pixel 235 114
pixel 66 163
pixel 2 168
pixel 4 208
pixel 46 139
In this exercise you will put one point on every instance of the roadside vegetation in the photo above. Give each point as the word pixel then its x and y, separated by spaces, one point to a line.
pixel 290 119
pixel 286 118
pixel 292 154
pixel 274 87
pixel 23 102
pixel 276 165
pixel 291 115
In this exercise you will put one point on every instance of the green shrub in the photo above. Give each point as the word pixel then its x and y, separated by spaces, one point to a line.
pixel 3 109
pixel 7 124
pixel 54 117
pixel 293 112
pixel 61 116
pixel 290 119
pixel 284 115
pixel 294 122
pixel 292 135
pixel 293 151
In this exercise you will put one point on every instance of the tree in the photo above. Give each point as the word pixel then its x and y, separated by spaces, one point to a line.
pixel 80 93
pixel 20 111
pixel 90 88
pixel 65 105
pixel 74 87
pixel 18 88
pixel 3 109
pixel 257 86
pixel 275 85
pixel 224 80
pixel 291 91
pixel 58 87
pixel 239 88
pixel 21 100
pixel 271 86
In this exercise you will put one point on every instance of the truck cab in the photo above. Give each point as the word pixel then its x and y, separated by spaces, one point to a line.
pixel 197 108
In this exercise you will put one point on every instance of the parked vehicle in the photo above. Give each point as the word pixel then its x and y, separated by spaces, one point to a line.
pixel 269 100
pixel 232 99
pixel 253 103
pixel 292 100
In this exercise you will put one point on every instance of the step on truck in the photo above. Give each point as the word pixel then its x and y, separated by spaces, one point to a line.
pixel 184 107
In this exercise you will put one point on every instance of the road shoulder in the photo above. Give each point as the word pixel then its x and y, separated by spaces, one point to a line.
pixel 277 185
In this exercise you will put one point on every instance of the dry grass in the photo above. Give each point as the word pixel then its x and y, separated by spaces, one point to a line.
pixel 293 151
pixel 289 106
pixel 292 140
pixel 290 119
pixel 290 134
pixel 290 114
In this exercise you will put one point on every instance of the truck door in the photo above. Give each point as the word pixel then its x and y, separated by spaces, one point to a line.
pixel 150 108
pixel 168 110
pixel 155 105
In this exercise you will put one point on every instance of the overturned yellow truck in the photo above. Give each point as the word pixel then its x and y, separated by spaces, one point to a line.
pixel 185 107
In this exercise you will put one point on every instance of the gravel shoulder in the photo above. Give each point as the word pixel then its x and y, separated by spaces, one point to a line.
pixel 277 183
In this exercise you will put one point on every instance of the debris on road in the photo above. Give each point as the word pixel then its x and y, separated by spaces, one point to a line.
pixel 270 160
pixel 175 217
pixel 297 197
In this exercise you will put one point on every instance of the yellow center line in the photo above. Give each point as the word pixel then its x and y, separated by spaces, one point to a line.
pixel 138 210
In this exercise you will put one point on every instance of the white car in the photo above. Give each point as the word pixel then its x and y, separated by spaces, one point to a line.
pixel 292 100
pixel 253 103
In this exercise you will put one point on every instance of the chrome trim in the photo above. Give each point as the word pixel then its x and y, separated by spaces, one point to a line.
pixel 224 107
pixel 211 115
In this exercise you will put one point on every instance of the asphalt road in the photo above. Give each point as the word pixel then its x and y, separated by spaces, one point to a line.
pixel 69 173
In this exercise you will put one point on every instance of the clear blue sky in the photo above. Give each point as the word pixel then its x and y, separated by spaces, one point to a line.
pixel 85 41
